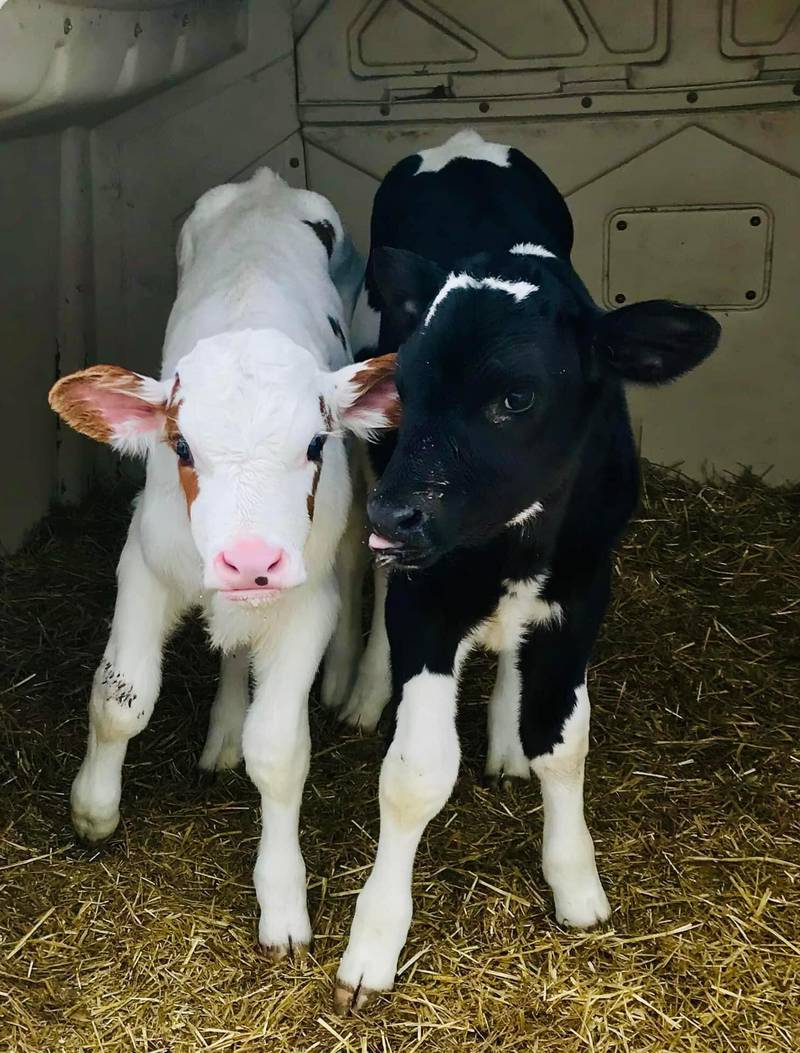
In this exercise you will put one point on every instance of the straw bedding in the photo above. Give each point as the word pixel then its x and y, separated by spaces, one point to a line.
pixel 693 795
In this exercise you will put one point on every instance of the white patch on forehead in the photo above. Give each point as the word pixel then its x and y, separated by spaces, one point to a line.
pixel 466 144
pixel 520 607
pixel 527 248
pixel 526 515
pixel 518 289
pixel 245 392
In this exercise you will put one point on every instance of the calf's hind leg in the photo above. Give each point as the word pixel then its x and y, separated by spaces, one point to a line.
pixel 373 687
pixel 345 648
pixel 125 689
pixel 223 748
pixel 505 759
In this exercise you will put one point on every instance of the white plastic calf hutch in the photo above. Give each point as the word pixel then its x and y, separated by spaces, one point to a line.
pixel 673 128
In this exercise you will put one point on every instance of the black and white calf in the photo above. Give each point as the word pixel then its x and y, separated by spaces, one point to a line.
pixel 498 506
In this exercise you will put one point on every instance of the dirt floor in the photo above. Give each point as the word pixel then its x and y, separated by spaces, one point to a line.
pixel 693 795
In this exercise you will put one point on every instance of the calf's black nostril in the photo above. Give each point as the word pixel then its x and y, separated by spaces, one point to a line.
pixel 262 581
pixel 408 518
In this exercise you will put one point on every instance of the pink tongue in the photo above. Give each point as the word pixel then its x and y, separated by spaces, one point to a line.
pixel 378 542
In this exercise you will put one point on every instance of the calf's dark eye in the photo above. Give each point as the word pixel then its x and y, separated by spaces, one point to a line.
pixel 519 401
pixel 315 448
pixel 183 452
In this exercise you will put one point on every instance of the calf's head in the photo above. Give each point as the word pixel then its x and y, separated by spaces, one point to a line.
pixel 248 425
pixel 499 379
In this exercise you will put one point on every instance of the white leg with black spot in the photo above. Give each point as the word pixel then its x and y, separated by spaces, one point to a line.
pixel 125 689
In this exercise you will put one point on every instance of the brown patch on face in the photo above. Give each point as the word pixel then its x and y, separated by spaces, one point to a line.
pixel 311 499
pixel 187 476
pixel 188 480
pixel 80 398
pixel 375 382
pixel 171 430
pixel 327 416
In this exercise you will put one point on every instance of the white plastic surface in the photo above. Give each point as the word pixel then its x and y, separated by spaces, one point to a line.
pixel 58 58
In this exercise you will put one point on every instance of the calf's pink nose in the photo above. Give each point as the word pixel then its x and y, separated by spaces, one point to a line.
pixel 249 563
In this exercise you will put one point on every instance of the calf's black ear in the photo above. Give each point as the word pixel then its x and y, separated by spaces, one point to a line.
pixel 407 284
pixel 654 341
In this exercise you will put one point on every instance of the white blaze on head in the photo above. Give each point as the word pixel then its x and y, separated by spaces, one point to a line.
pixel 527 248
pixel 518 289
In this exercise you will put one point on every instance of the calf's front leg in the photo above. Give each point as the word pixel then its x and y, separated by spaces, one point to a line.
pixel 555 735
pixel 125 688
pixel 568 862
pixel 277 746
pixel 417 777
pixel 505 759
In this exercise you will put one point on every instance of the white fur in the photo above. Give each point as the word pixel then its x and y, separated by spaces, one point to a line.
pixel 250 339
pixel 373 686
pixel 366 326
pixel 527 248
pixel 466 143
pixel 567 848
pixel 344 651
pixel 527 515
pixel 223 748
pixel 518 289
pixel 519 607
pixel 505 756
pixel 417 777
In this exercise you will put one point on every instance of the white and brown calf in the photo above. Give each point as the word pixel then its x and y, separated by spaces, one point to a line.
pixel 246 499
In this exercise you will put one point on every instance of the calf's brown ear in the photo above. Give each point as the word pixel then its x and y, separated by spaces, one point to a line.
pixel 365 399
pixel 111 404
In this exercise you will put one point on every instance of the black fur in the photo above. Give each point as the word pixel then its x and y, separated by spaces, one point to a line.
pixel 325 232
pixel 338 332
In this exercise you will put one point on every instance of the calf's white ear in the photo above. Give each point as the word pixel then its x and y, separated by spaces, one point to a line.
pixel 113 405
pixel 363 397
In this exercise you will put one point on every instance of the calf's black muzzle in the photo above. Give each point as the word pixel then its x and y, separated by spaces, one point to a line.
pixel 400 528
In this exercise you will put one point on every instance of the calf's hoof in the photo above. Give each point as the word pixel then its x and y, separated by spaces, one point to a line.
pixel 362 711
pixel 278 952
pixel 336 685
pixel 348 1000
pixel 582 907
pixel 222 752
pixel 94 827
pixel 504 783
